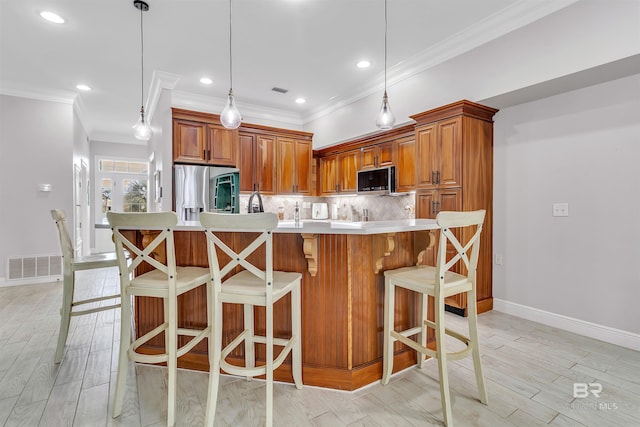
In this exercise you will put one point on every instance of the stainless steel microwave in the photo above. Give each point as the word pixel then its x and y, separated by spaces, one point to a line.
pixel 377 181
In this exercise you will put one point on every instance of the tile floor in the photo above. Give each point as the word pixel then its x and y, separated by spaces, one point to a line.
pixel 530 368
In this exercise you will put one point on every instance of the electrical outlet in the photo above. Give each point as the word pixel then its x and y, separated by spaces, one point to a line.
pixel 561 209
pixel 306 205
pixel 499 259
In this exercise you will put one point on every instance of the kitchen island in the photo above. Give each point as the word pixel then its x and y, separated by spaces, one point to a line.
pixel 342 266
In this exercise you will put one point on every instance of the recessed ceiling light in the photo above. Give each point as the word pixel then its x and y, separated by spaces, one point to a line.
pixel 206 81
pixel 363 64
pixel 300 100
pixel 83 87
pixel 52 17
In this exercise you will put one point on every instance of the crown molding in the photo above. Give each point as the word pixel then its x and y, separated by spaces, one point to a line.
pixel 207 104
pixel 517 15
pixel 160 80
pixel 37 93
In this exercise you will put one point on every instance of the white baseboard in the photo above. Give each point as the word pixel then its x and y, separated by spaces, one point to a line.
pixel 592 330
pixel 4 283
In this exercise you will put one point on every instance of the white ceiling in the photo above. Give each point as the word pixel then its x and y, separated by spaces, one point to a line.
pixel 309 47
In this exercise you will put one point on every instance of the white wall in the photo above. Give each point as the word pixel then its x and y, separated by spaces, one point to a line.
pixel 36 147
pixel 581 147
pixel 581 36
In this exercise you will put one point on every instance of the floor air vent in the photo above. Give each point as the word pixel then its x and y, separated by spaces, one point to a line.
pixel 20 268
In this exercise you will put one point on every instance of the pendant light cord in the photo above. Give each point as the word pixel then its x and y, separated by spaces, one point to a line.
pixel 142 60
pixel 230 58
pixel 385 47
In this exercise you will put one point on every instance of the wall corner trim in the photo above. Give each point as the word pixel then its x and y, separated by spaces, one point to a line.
pixel 592 330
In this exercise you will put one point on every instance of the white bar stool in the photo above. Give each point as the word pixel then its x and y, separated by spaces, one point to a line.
pixel 166 281
pixel 71 264
pixel 250 287
pixel 439 282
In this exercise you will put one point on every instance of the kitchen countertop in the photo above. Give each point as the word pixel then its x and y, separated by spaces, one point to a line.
pixel 338 227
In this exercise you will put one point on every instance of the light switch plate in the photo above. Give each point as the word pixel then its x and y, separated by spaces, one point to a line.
pixel 561 209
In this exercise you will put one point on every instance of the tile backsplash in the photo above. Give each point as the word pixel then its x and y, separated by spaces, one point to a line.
pixel 349 208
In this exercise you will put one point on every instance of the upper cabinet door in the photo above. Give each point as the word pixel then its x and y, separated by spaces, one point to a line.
pixel 348 168
pixel 376 156
pixel 222 146
pixel 265 164
pixel 427 151
pixel 328 175
pixel 385 154
pixel 303 155
pixel 245 162
pixel 368 157
pixel 189 142
pixel 449 172
pixel 286 165
pixel 405 164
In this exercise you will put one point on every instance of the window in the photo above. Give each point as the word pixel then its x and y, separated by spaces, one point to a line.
pixel 122 187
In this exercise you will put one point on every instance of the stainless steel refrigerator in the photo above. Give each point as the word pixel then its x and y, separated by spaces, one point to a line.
pixel 205 188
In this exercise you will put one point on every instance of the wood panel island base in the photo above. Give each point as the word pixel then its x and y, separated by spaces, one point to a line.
pixel 342 267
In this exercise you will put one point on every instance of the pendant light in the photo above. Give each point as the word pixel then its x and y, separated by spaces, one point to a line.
pixel 230 116
pixel 385 119
pixel 141 130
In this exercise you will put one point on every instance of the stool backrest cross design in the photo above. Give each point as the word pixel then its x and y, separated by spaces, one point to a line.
pixel 468 254
pixel 262 223
pixel 163 243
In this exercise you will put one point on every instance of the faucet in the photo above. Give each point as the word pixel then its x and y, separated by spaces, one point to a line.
pixel 258 208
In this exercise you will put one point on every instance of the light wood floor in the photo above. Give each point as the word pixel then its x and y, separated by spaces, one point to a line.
pixel 530 368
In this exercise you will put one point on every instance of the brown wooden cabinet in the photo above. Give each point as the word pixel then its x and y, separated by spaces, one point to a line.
pixel 405 162
pixel 338 173
pixel 222 146
pixel 269 158
pixel 329 175
pixel 454 146
pixel 348 171
pixel 338 165
pixel 189 142
pixel 377 156
pixel 439 149
pixel 202 143
pixel 294 164
pixel 257 163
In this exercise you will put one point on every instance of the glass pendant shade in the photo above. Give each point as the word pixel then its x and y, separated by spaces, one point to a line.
pixel 142 130
pixel 230 116
pixel 385 119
